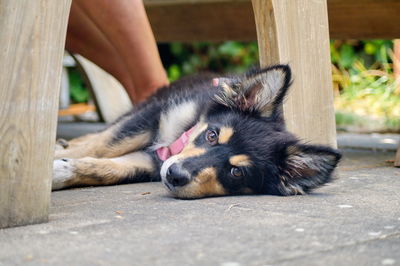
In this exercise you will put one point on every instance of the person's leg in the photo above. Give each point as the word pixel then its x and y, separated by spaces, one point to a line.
pixel 84 38
pixel 125 25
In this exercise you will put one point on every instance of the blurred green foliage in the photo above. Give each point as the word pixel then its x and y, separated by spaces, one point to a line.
pixel 362 74
pixel 181 59
pixel 371 53
pixel 77 90
pixel 367 89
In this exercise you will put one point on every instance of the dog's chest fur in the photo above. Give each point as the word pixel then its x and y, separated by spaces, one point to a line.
pixel 175 120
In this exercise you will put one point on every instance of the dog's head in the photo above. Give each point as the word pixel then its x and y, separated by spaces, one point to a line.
pixel 241 146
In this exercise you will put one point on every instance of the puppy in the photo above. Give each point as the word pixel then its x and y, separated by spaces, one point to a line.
pixel 202 136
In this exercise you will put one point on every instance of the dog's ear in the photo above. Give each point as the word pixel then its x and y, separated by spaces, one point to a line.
pixel 261 91
pixel 306 167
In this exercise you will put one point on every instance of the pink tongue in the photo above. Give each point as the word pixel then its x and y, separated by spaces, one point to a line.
pixel 176 147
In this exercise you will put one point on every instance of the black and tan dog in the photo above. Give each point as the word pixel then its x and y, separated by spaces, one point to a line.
pixel 202 136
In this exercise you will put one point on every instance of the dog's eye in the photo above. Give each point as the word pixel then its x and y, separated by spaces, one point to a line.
pixel 211 136
pixel 236 172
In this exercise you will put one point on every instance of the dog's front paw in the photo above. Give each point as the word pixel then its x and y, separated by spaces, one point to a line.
pixel 62 172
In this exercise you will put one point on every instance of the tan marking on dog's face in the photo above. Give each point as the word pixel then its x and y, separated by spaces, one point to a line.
pixel 204 184
pixel 191 151
pixel 225 133
pixel 240 160
pixel 200 127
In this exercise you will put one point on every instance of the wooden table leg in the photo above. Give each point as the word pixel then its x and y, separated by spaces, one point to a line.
pixel 296 32
pixel 32 40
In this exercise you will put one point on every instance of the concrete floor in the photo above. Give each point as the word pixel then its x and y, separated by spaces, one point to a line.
pixel 353 221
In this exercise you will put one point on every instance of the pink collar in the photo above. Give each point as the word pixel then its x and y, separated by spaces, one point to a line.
pixel 176 147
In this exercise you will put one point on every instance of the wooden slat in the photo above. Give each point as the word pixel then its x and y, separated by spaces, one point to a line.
pixel 364 19
pixel 202 21
pixel 218 20
pixel 285 36
pixel 192 2
pixel 32 39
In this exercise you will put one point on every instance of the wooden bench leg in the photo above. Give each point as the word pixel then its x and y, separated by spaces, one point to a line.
pixel 296 32
pixel 396 70
pixel 396 63
pixel 32 40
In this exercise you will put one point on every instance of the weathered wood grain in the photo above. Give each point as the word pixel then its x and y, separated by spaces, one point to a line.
pixel 219 20
pixel 191 2
pixel 396 63
pixel 363 19
pixel 205 21
pixel 32 39
pixel 296 32
pixel 396 70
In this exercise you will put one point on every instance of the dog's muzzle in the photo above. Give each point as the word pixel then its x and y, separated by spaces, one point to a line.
pixel 173 176
pixel 177 177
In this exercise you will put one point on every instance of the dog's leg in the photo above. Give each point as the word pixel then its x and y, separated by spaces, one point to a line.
pixel 79 141
pixel 62 144
pixel 90 171
pixel 131 133
pixel 102 145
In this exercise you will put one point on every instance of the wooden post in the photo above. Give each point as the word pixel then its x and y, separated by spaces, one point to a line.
pixel 296 32
pixel 396 63
pixel 32 40
pixel 396 71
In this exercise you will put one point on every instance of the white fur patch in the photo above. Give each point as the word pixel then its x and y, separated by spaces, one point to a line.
pixel 173 123
pixel 165 166
pixel 62 172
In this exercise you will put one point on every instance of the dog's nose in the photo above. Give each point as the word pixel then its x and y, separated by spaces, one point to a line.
pixel 177 177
